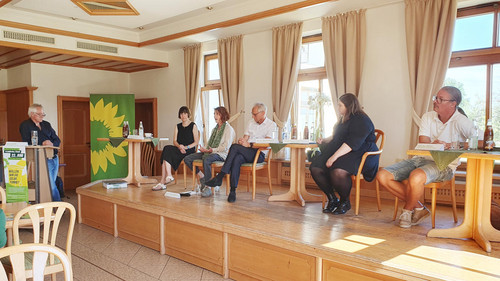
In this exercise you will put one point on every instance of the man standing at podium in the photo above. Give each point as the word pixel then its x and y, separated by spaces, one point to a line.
pixel 47 137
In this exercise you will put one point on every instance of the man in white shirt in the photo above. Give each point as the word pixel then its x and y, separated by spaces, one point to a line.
pixel 438 126
pixel 258 128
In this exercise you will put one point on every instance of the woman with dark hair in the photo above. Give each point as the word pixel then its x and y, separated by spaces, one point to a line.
pixel 354 134
pixel 217 148
pixel 186 140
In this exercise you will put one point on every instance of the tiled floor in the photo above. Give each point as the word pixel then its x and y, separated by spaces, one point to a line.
pixel 97 255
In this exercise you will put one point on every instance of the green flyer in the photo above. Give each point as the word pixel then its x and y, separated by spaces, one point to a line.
pixel 16 176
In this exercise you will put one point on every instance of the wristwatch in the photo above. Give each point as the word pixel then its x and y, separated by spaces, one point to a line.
pixel 188 146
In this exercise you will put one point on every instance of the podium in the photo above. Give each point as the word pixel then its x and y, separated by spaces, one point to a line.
pixel 39 173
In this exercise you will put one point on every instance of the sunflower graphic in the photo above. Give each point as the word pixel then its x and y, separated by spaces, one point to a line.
pixel 105 123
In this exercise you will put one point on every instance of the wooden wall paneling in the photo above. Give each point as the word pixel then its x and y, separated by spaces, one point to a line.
pixel 249 259
pixel 139 226
pixel 97 213
pixel 195 244
pixel 335 271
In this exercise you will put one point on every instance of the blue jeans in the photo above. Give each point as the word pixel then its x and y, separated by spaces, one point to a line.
pixel 53 167
pixel 238 155
pixel 209 159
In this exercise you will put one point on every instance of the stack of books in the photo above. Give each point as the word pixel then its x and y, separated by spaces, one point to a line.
pixel 110 184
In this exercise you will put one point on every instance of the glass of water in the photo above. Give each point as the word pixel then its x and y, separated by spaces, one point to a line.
pixel 34 137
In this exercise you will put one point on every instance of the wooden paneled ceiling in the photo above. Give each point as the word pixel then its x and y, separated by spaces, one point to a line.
pixel 12 56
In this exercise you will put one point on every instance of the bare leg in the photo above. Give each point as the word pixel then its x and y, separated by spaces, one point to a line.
pixel 163 172
pixel 416 183
pixel 168 169
pixel 397 188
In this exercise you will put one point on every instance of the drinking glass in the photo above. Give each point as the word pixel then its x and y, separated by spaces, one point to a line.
pixel 34 137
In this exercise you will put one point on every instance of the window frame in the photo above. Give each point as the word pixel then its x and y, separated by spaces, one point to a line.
pixel 484 56
pixel 210 85
pixel 206 60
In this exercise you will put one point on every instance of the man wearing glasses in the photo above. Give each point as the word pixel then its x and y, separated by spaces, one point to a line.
pixel 46 136
pixel 259 127
pixel 437 126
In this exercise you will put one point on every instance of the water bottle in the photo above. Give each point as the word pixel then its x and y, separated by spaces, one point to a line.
pixel 34 137
pixel 455 139
pixel 474 138
pixel 141 129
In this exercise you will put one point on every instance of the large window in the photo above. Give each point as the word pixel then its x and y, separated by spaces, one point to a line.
pixel 312 105
pixel 475 64
pixel 211 95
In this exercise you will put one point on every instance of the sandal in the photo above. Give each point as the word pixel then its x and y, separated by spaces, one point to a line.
pixel 169 180
pixel 159 186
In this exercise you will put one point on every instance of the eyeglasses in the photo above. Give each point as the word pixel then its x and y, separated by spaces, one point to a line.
pixel 255 114
pixel 439 100
pixel 41 114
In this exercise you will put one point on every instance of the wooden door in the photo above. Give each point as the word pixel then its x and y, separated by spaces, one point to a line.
pixel 146 111
pixel 13 111
pixel 74 131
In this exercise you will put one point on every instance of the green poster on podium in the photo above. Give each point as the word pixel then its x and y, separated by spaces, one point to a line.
pixel 16 175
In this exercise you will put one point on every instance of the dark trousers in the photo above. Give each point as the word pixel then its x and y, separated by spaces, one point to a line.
pixel 238 155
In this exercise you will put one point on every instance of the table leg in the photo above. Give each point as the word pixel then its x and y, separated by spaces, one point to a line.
pixel 134 165
pixel 301 189
pixel 292 194
pixel 477 210
pixel 465 230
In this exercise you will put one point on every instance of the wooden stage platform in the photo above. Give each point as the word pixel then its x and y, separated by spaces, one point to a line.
pixel 283 241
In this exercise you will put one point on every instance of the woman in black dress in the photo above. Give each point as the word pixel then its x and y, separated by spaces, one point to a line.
pixel 186 140
pixel 353 135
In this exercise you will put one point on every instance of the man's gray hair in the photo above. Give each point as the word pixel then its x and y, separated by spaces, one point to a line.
pixel 454 93
pixel 33 108
pixel 261 107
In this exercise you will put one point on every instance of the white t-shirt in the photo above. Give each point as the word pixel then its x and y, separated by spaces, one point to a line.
pixel 433 128
pixel 260 131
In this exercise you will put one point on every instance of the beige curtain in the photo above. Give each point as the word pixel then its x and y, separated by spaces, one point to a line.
pixel 429 32
pixel 192 64
pixel 344 41
pixel 231 69
pixel 287 41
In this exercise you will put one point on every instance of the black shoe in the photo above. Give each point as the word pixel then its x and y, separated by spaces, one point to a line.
pixel 232 196
pixel 342 208
pixel 332 205
pixel 215 181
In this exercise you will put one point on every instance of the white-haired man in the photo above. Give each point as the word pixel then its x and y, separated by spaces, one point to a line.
pixel 46 136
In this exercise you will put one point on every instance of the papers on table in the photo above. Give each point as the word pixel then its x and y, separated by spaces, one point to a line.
pixel 135 137
pixel 264 141
pixel 430 146
pixel 297 141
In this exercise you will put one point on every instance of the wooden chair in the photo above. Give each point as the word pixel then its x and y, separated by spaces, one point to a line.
pixel 380 140
pixel 184 170
pixel 16 255
pixel 254 167
pixel 435 186
pixel 148 159
pixel 49 215
pixel 198 163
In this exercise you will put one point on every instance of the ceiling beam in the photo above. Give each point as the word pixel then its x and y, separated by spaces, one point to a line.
pixel 236 21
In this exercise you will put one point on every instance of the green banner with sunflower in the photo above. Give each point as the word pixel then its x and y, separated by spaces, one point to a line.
pixel 107 114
